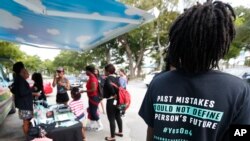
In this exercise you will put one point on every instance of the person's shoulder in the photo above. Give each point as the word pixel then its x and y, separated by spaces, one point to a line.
pixel 93 78
pixel 64 78
pixel 226 77
pixel 111 77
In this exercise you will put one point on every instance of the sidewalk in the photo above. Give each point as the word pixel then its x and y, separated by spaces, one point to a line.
pixel 100 135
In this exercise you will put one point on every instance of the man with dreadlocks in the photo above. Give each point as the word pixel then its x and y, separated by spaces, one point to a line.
pixel 196 102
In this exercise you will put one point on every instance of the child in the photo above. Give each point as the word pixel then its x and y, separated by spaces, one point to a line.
pixel 76 106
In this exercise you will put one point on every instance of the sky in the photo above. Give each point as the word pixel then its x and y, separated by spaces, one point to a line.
pixel 52 53
pixel 234 3
pixel 41 52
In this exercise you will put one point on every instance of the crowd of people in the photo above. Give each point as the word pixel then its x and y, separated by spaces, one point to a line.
pixel 182 101
pixel 26 95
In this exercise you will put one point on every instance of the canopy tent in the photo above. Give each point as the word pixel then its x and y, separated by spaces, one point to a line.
pixel 74 24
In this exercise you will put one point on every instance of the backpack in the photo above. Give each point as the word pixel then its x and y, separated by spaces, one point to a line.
pixel 124 97
pixel 100 91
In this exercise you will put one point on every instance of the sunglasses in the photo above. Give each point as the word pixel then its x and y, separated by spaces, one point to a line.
pixel 58 71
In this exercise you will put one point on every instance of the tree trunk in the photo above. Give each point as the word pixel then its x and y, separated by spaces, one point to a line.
pixel 123 40
pixel 139 70
pixel 130 59
pixel 161 49
pixel 139 60
pixel 108 55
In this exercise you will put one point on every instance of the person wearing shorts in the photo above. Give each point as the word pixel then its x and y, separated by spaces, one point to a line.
pixel 23 95
pixel 63 85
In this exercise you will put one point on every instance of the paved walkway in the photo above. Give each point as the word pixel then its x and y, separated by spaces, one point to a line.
pixel 100 135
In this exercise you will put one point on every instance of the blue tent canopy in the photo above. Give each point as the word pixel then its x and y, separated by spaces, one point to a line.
pixel 63 24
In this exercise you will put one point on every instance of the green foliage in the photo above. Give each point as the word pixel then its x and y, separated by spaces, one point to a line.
pixel 243 26
pixel 48 67
pixel 242 39
pixel 234 51
pixel 107 52
pixel 10 50
pixel 33 63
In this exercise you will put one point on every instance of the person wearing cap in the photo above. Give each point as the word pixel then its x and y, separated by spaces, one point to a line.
pixel 23 95
pixel 63 85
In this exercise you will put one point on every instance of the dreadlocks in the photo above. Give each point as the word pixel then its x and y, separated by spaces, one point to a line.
pixel 201 36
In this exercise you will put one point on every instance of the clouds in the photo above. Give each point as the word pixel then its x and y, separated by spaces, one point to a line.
pixel 19 39
pixel 38 3
pixel 9 21
pixel 95 14
pixel 133 11
pixel 34 5
pixel 82 40
pixel 32 36
pixel 22 22
pixel 53 31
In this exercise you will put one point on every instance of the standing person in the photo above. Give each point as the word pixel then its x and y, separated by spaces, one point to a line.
pixel 123 78
pixel 63 85
pixel 76 106
pixel 101 81
pixel 181 104
pixel 23 95
pixel 38 86
pixel 111 94
pixel 94 100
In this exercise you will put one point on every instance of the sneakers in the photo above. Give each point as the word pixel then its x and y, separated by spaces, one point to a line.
pixel 91 125
pixel 94 125
pixel 99 128
pixel 99 122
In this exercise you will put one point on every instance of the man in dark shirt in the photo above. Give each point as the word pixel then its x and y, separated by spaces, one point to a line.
pixel 195 102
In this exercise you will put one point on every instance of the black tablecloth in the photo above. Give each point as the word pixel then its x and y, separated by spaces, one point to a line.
pixel 72 133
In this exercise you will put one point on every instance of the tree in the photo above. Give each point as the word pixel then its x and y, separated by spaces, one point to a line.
pixel 33 63
pixel 106 53
pixel 48 67
pixel 242 40
pixel 10 51
pixel 154 34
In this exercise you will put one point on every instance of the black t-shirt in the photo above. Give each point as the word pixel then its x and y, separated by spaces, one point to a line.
pixel 108 89
pixel 36 88
pixel 197 107
pixel 23 95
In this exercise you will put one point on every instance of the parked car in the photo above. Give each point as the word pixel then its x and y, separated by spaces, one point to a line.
pixel 148 78
pixel 242 72
pixel 47 87
pixel 74 81
pixel 83 78
pixel 239 72
pixel 7 105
